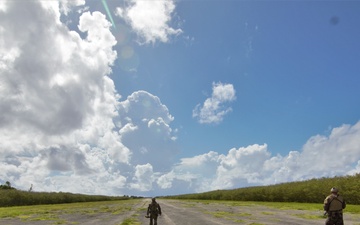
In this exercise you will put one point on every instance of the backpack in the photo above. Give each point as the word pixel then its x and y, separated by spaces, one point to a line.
pixel 154 208
pixel 335 203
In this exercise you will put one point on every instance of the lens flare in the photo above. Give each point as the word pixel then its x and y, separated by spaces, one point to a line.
pixel 108 12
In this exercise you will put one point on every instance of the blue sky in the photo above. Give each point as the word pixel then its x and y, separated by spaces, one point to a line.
pixel 170 97
pixel 287 61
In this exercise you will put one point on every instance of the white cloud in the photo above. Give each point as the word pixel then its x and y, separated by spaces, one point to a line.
pixel 214 108
pixel 144 117
pixel 150 19
pixel 337 154
pixel 197 172
pixel 57 103
pixel 62 124
pixel 3 6
pixel 143 177
pixel 61 6
pixel 66 5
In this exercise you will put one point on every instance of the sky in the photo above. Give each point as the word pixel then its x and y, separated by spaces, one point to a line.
pixel 164 97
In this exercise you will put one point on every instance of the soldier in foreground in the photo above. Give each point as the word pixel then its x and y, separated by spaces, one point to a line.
pixel 153 210
pixel 334 205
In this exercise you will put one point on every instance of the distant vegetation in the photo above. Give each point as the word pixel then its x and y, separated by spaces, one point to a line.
pixel 310 191
pixel 9 196
pixel 6 186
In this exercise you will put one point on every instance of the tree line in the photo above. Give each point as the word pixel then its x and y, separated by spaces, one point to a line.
pixel 9 196
pixel 6 186
pixel 309 191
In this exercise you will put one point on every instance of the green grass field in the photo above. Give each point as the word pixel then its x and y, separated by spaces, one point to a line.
pixel 53 212
pixel 354 209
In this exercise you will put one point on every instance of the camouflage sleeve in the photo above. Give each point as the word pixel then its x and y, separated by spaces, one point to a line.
pixel 326 204
pixel 159 209
pixel 344 204
pixel 148 210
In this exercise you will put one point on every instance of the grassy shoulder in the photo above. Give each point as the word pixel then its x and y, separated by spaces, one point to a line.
pixel 56 212
pixel 254 212
pixel 354 209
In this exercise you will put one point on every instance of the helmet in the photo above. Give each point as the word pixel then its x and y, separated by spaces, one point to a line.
pixel 153 199
pixel 334 190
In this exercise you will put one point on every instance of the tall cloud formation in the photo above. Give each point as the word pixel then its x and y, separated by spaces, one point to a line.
pixel 64 127
pixel 61 118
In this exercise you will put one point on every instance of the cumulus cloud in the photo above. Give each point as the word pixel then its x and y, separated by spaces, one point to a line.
pixel 150 19
pixel 143 178
pixel 64 159
pixel 215 108
pixel 53 91
pixel 195 173
pixel 321 156
pixel 2 5
pixel 62 124
pixel 144 117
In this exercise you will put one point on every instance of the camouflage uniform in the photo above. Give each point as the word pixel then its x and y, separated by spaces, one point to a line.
pixel 154 210
pixel 333 205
